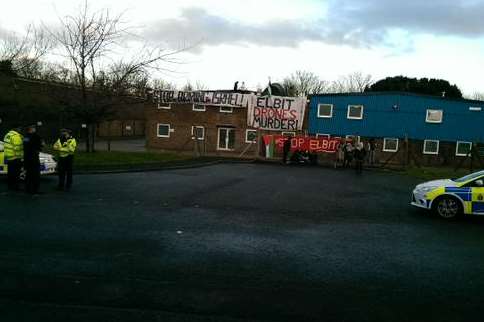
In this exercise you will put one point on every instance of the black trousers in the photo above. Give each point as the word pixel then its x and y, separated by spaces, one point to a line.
pixel 13 174
pixel 359 166
pixel 285 153
pixel 32 176
pixel 64 168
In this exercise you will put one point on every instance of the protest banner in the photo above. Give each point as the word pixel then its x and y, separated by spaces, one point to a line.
pixel 275 113
pixel 303 143
pixel 216 98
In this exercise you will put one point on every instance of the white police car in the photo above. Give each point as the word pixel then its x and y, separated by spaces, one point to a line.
pixel 47 163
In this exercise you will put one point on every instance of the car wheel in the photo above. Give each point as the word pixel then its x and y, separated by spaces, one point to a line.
pixel 448 207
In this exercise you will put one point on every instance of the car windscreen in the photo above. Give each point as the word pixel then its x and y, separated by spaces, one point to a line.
pixel 470 177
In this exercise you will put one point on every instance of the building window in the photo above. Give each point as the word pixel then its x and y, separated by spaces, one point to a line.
pixel 198 132
pixel 251 136
pixel 390 145
pixel 226 139
pixel 199 108
pixel 163 130
pixel 164 106
pixel 431 147
pixel 288 133
pixel 434 116
pixel 355 112
pixel 226 109
pixel 463 149
pixel 325 110
pixel 323 136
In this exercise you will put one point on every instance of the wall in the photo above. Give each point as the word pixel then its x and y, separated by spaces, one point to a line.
pixel 399 115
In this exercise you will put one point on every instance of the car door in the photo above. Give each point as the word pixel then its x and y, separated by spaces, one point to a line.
pixel 477 187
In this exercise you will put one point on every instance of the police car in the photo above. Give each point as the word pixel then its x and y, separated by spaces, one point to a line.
pixel 47 163
pixel 450 198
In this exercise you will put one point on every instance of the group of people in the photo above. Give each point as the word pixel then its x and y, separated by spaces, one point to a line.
pixel 22 149
pixel 358 152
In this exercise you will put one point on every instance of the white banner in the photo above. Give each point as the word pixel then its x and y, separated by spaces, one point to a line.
pixel 216 98
pixel 275 113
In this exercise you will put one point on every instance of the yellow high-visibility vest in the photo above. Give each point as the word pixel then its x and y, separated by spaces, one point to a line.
pixel 67 148
pixel 14 146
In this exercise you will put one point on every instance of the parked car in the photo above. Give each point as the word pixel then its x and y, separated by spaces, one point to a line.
pixel 47 163
pixel 452 197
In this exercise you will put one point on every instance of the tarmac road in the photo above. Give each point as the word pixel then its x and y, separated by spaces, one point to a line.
pixel 235 243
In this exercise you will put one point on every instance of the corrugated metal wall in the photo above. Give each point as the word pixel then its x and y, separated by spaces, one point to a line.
pixel 398 115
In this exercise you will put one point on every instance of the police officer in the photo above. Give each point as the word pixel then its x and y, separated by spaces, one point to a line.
pixel 14 152
pixel 32 147
pixel 66 147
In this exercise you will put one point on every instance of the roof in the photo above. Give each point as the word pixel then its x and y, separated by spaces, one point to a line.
pixel 463 100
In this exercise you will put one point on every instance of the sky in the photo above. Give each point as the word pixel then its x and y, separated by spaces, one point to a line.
pixel 253 40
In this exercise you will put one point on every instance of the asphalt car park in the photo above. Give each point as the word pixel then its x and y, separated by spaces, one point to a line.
pixel 236 242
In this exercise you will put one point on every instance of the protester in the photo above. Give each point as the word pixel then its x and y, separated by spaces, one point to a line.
pixel 14 152
pixel 347 154
pixel 371 148
pixel 359 154
pixel 339 155
pixel 66 147
pixel 32 144
pixel 286 149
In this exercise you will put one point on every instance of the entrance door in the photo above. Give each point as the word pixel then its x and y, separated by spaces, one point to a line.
pixel 478 197
pixel 226 139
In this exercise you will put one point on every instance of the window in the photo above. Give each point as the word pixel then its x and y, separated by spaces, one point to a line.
pixel 355 112
pixel 325 110
pixel 199 108
pixel 390 145
pixel 250 136
pixel 475 109
pixel 463 148
pixel 226 109
pixel 164 106
pixel 198 132
pixel 163 130
pixel 434 116
pixel 319 135
pixel 431 147
pixel 288 133
pixel 226 139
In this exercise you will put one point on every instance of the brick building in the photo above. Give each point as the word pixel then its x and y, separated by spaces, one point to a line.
pixel 204 129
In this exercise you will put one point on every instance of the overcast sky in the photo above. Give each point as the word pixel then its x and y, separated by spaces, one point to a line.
pixel 251 40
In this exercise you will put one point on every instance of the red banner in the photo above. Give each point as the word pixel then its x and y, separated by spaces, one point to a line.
pixel 306 143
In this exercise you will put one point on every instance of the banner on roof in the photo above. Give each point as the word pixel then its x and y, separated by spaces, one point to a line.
pixel 301 143
pixel 217 98
pixel 275 113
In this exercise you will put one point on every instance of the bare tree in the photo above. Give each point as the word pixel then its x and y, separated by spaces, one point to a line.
pixel 304 83
pixel 478 96
pixel 25 52
pixel 89 39
pixel 352 83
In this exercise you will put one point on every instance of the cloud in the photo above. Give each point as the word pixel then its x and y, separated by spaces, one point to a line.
pixel 355 23
pixel 196 25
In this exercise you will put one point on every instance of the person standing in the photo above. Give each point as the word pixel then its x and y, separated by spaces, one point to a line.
pixel 285 149
pixel 360 154
pixel 14 152
pixel 371 151
pixel 32 147
pixel 348 154
pixel 65 147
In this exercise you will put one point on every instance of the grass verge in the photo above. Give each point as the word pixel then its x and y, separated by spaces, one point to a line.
pixel 104 160
pixel 434 173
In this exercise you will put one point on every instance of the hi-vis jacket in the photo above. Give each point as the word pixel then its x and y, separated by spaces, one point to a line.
pixel 13 148
pixel 67 148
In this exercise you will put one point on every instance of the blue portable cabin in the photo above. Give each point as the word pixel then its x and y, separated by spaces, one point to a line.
pixel 397 115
